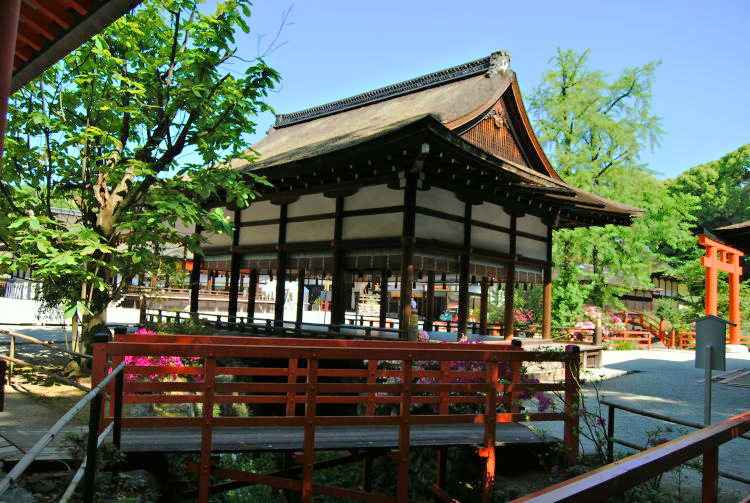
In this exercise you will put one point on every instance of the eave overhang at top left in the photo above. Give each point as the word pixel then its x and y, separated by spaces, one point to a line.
pixel 87 18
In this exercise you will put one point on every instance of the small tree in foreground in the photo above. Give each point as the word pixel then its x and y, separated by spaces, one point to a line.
pixel 121 130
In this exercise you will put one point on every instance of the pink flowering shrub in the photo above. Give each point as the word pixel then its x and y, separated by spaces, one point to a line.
pixel 522 318
pixel 610 321
pixel 504 375
pixel 157 361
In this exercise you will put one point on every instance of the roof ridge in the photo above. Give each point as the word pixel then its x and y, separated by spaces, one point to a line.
pixel 497 61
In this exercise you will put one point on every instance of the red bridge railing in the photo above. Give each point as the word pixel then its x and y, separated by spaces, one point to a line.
pixel 288 372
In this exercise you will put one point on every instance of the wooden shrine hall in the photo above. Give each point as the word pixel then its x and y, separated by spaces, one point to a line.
pixel 432 183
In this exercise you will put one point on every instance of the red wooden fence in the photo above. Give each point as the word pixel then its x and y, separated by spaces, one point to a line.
pixel 367 388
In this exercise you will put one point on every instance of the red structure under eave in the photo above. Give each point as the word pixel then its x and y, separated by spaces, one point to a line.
pixel 720 257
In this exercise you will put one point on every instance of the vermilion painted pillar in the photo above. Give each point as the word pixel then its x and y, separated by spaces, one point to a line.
pixel 734 302
pixel 9 13
pixel 712 275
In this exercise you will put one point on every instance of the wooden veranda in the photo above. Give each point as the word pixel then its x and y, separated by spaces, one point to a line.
pixel 310 394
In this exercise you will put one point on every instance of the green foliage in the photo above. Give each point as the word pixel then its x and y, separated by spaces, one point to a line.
pixel 122 130
pixel 594 128
pixel 721 188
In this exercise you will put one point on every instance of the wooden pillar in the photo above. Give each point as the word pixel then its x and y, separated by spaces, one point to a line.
pixel 9 13
pixel 252 290
pixel 547 298
pixel 711 281
pixel 338 309
pixel 510 286
pixel 195 279
pixel 429 315
pixel 463 276
pixel 383 297
pixel 734 300
pixel 407 245
pixel 234 269
pixel 483 302
pixel 278 314
pixel 300 295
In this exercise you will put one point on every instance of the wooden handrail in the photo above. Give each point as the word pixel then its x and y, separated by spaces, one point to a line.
pixel 614 478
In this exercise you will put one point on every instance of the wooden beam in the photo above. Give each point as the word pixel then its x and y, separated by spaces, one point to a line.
pixel 38 23
pixel 252 290
pixel 483 303
pixel 76 6
pixel 463 277
pixel 547 298
pixel 429 315
pixel 408 243
pixel 278 314
pixel 383 297
pixel 51 12
pixel 510 286
pixel 300 295
pixel 234 279
pixel 338 310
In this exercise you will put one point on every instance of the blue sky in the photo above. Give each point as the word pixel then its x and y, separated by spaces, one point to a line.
pixel 335 49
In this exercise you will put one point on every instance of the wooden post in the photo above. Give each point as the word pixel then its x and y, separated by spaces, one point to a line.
pixel 338 310
pixel 234 270
pixel 383 297
pixel 404 442
pixel 311 393
pixel 490 425
pixel 252 290
pixel 463 276
pixel 407 245
pixel 510 286
pixel 429 315
pixel 10 11
pixel 572 404
pixel 278 314
pixel 711 282
pixel 204 484
pixel 483 306
pixel 195 281
pixel 734 301
pixel 300 296
pixel 547 298
pixel 710 481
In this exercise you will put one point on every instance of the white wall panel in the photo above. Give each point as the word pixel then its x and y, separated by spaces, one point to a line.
pixel 259 235
pixel 262 210
pixel 532 225
pixel 373 226
pixel 490 240
pixel 216 240
pixel 311 204
pixel 441 200
pixel 490 213
pixel 376 196
pixel 313 230
pixel 531 248
pixel 437 228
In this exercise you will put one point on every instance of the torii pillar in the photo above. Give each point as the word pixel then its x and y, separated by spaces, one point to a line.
pixel 720 257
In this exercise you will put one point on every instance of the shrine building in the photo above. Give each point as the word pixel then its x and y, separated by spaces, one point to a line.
pixel 427 190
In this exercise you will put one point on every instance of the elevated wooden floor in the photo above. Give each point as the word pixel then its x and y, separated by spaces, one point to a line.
pixel 326 437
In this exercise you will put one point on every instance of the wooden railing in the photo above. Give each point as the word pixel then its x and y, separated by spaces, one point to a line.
pixel 265 326
pixel 612 480
pixel 287 372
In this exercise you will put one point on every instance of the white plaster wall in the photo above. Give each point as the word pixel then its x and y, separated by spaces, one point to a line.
pixel 259 235
pixel 311 204
pixel 532 225
pixel 313 230
pixel 262 210
pixel 490 240
pixel 441 200
pixel 373 226
pixel 490 213
pixel 217 239
pixel 376 196
pixel 437 228
pixel 531 248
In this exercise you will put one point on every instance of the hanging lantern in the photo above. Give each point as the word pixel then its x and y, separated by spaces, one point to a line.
pixel 473 279
pixel 442 278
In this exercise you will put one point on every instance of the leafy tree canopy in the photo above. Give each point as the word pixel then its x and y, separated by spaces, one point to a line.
pixel 122 129
pixel 594 128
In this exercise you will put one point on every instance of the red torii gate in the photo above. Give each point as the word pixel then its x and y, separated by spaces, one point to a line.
pixel 720 257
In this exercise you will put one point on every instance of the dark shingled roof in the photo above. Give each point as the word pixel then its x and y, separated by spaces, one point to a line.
pixel 736 235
